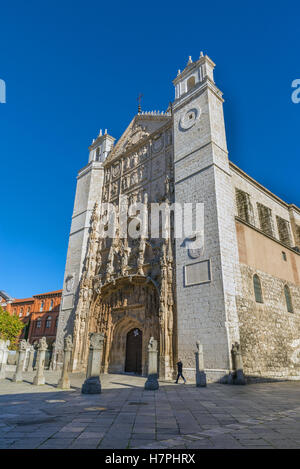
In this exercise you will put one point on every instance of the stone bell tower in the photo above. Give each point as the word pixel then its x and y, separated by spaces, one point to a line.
pixel 206 277
pixel 88 191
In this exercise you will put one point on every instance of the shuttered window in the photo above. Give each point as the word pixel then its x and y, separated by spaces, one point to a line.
pixel 288 299
pixel 257 289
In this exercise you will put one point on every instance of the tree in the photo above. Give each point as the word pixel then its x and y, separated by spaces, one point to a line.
pixel 10 327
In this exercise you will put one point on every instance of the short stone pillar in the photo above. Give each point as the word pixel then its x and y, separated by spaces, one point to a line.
pixel 3 357
pixel 52 364
pixel 200 373
pixel 92 383
pixel 30 359
pixel 27 352
pixel 18 377
pixel 152 380
pixel 64 381
pixel 39 376
pixel 237 376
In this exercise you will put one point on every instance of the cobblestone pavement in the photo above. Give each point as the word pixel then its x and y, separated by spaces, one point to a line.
pixel 265 415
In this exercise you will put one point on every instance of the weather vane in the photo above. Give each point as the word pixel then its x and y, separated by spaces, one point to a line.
pixel 139 99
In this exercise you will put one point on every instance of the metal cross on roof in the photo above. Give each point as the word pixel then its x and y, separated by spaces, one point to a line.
pixel 139 99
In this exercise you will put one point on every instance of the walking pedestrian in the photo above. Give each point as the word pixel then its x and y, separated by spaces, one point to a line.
pixel 179 372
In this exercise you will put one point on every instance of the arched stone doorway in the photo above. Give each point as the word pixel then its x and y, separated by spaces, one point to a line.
pixel 123 306
pixel 134 342
pixel 118 307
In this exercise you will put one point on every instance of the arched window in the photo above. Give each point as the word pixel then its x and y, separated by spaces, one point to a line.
pixel 28 311
pixel 190 83
pixel 288 299
pixel 21 313
pixel 48 322
pixel 42 305
pixel 38 323
pixel 51 305
pixel 257 289
pixel 98 154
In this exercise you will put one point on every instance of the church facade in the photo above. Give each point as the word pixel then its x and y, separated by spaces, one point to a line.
pixel 240 284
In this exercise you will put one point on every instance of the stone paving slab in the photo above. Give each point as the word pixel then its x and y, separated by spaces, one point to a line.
pixel 261 415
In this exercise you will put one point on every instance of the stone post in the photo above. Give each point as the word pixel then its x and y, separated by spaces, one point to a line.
pixel 39 376
pixel 200 373
pixel 238 374
pixel 92 383
pixel 152 380
pixel 1 350
pixel 64 382
pixel 52 365
pixel 17 377
pixel 30 359
pixel 3 358
pixel 26 359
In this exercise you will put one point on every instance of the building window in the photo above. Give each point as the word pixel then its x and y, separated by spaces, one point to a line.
pixel 21 313
pixel 191 83
pixel 42 306
pixel 297 232
pixel 284 256
pixel 265 219
pixel 48 322
pixel 284 231
pixel 244 206
pixel 257 289
pixel 51 305
pixel 39 323
pixel 288 299
pixel 98 154
pixel 28 311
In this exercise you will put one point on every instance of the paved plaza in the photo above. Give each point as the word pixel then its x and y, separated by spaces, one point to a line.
pixel 262 415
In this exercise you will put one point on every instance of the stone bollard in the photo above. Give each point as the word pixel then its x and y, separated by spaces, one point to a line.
pixel 27 355
pixel 39 376
pixel 3 358
pixel 17 377
pixel 2 342
pixel 237 377
pixel 64 382
pixel 30 359
pixel 92 384
pixel 152 380
pixel 52 364
pixel 200 373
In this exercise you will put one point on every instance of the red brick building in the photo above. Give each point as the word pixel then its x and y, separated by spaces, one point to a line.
pixel 38 313
pixel 44 317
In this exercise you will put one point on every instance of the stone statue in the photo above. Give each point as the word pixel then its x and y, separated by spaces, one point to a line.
pixel 200 373
pixel 237 377
pixel 92 384
pixel 64 382
pixel 152 380
pixel 18 378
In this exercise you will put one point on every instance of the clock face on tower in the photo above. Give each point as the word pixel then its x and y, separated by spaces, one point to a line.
pixel 189 118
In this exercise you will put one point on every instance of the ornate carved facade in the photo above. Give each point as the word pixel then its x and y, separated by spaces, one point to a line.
pixel 127 283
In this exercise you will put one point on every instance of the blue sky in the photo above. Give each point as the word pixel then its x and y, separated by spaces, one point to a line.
pixel 73 67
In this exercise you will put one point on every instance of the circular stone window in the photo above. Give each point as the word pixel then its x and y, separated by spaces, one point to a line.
pixel 188 119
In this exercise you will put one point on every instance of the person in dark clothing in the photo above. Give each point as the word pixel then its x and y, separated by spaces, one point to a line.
pixel 179 372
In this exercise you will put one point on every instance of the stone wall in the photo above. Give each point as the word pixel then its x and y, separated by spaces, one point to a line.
pixel 270 336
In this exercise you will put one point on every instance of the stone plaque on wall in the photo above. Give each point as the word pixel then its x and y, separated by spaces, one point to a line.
pixel 197 273
pixel 68 301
